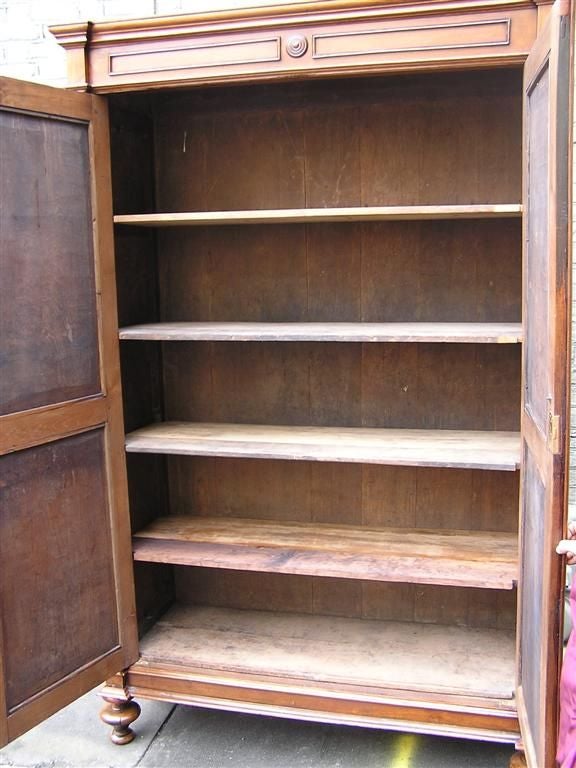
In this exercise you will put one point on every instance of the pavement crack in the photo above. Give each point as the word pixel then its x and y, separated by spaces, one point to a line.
pixel 158 732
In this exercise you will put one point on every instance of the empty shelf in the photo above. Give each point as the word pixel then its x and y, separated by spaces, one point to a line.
pixel 483 333
pixel 408 447
pixel 458 558
pixel 333 650
pixel 304 215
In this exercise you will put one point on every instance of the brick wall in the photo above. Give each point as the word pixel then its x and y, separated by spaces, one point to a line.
pixel 28 51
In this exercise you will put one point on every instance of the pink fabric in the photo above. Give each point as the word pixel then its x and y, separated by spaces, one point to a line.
pixel 566 755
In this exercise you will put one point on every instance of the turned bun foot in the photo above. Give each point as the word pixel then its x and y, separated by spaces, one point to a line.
pixel 120 714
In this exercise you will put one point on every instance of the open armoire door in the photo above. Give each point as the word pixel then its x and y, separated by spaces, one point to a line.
pixel 66 590
pixel 544 412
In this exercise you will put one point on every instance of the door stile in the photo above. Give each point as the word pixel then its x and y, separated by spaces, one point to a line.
pixel 110 375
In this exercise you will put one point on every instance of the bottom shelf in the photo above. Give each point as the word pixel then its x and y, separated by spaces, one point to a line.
pixel 375 655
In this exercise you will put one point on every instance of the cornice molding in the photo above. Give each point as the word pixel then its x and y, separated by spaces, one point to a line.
pixel 72 35
pixel 279 15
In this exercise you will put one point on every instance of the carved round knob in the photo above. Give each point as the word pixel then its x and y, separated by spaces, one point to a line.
pixel 297 46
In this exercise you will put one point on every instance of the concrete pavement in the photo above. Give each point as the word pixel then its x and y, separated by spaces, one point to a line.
pixel 185 737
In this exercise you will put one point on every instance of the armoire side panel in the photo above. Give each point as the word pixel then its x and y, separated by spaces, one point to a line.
pixel 132 154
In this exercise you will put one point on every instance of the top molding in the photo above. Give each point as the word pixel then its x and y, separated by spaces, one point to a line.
pixel 319 38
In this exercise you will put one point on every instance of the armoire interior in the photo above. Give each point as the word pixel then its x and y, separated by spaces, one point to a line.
pixel 441 615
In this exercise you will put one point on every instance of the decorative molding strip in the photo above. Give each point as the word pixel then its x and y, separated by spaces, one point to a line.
pixel 198 56
pixel 437 37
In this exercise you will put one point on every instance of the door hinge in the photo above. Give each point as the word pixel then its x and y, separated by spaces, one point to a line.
pixel 553 440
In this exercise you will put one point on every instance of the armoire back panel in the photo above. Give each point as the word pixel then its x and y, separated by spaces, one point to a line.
pixel 405 140
pixel 445 138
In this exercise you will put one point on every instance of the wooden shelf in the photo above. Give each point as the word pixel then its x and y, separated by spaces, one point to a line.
pixel 478 333
pixel 409 447
pixel 459 558
pixel 309 215
pixel 323 649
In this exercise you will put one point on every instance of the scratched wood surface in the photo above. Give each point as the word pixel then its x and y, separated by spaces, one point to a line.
pixel 131 137
pixel 303 215
pixel 328 145
pixel 413 386
pixel 43 546
pixel 378 272
pixel 478 559
pixel 473 333
pixel 409 447
pixel 547 81
pixel 389 141
pixel 382 654
pixel 47 306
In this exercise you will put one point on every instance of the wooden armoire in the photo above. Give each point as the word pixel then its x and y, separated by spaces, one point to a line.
pixel 284 312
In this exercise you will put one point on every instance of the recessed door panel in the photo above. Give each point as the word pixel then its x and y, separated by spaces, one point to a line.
pixel 57 591
pixel 48 314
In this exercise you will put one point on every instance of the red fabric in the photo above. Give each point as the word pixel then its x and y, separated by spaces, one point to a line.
pixel 566 755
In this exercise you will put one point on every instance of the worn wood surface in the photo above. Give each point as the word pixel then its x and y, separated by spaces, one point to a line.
pixel 460 558
pixel 303 215
pixel 409 447
pixel 546 361
pixel 360 142
pixel 380 654
pixel 350 494
pixel 47 305
pixel 353 598
pixel 115 479
pixel 379 272
pixel 131 137
pixel 43 545
pixel 343 494
pixel 67 586
pixel 470 717
pixel 266 149
pixel 444 139
pixel 413 386
pixel 473 333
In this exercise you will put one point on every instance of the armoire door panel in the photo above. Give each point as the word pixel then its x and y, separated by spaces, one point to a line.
pixel 531 625
pixel 537 229
pixel 57 589
pixel 48 321
pixel 544 413
pixel 67 618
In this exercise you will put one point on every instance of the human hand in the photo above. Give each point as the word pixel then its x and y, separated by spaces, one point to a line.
pixel 563 546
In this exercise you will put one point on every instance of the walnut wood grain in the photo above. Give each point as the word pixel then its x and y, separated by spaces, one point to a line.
pixel 309 215
pixel 474 333
pixel 462 558
pixel 408 447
